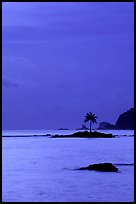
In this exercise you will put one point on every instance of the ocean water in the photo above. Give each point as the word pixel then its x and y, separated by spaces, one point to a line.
pixel 43 169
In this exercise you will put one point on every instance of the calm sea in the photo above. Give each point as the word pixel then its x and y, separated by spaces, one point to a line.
pixel 42 169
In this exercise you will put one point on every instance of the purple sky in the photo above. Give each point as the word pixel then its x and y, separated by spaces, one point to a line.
pixel 62 60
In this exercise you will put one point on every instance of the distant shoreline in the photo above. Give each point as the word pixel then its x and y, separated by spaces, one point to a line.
pixel 63 133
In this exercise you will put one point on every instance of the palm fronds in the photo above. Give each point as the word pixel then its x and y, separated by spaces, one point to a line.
pixel 90 117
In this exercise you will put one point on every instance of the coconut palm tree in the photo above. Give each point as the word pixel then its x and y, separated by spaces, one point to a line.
pixel 92 118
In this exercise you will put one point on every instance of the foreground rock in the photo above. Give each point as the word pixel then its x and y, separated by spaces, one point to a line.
pixel 85 134
pixel 107 167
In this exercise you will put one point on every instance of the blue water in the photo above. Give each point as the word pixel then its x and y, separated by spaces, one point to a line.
pixel 42 169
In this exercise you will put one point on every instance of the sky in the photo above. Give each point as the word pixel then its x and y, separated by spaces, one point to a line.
pixel 61 60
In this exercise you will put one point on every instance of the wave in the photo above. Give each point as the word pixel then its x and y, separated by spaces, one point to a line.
pixel 25 135
pixel 123 164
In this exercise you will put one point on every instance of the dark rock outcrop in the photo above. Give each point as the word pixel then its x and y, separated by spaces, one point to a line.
pixel 107 167
pixel 83 128
pixel 126 120
pixel 85 134
pixel 105 126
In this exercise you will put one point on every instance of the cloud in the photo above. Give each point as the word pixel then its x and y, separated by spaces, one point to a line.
pixel 9 83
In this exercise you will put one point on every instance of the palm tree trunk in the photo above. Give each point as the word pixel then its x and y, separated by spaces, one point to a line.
pixel 90 127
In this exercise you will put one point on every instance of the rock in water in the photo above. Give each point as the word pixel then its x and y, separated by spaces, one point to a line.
pixel 107 167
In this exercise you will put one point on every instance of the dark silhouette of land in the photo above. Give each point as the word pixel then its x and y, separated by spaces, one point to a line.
pixel 124 122
pixel 85 134
pixel 63 129
pixel 92 118
pixel 83 128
